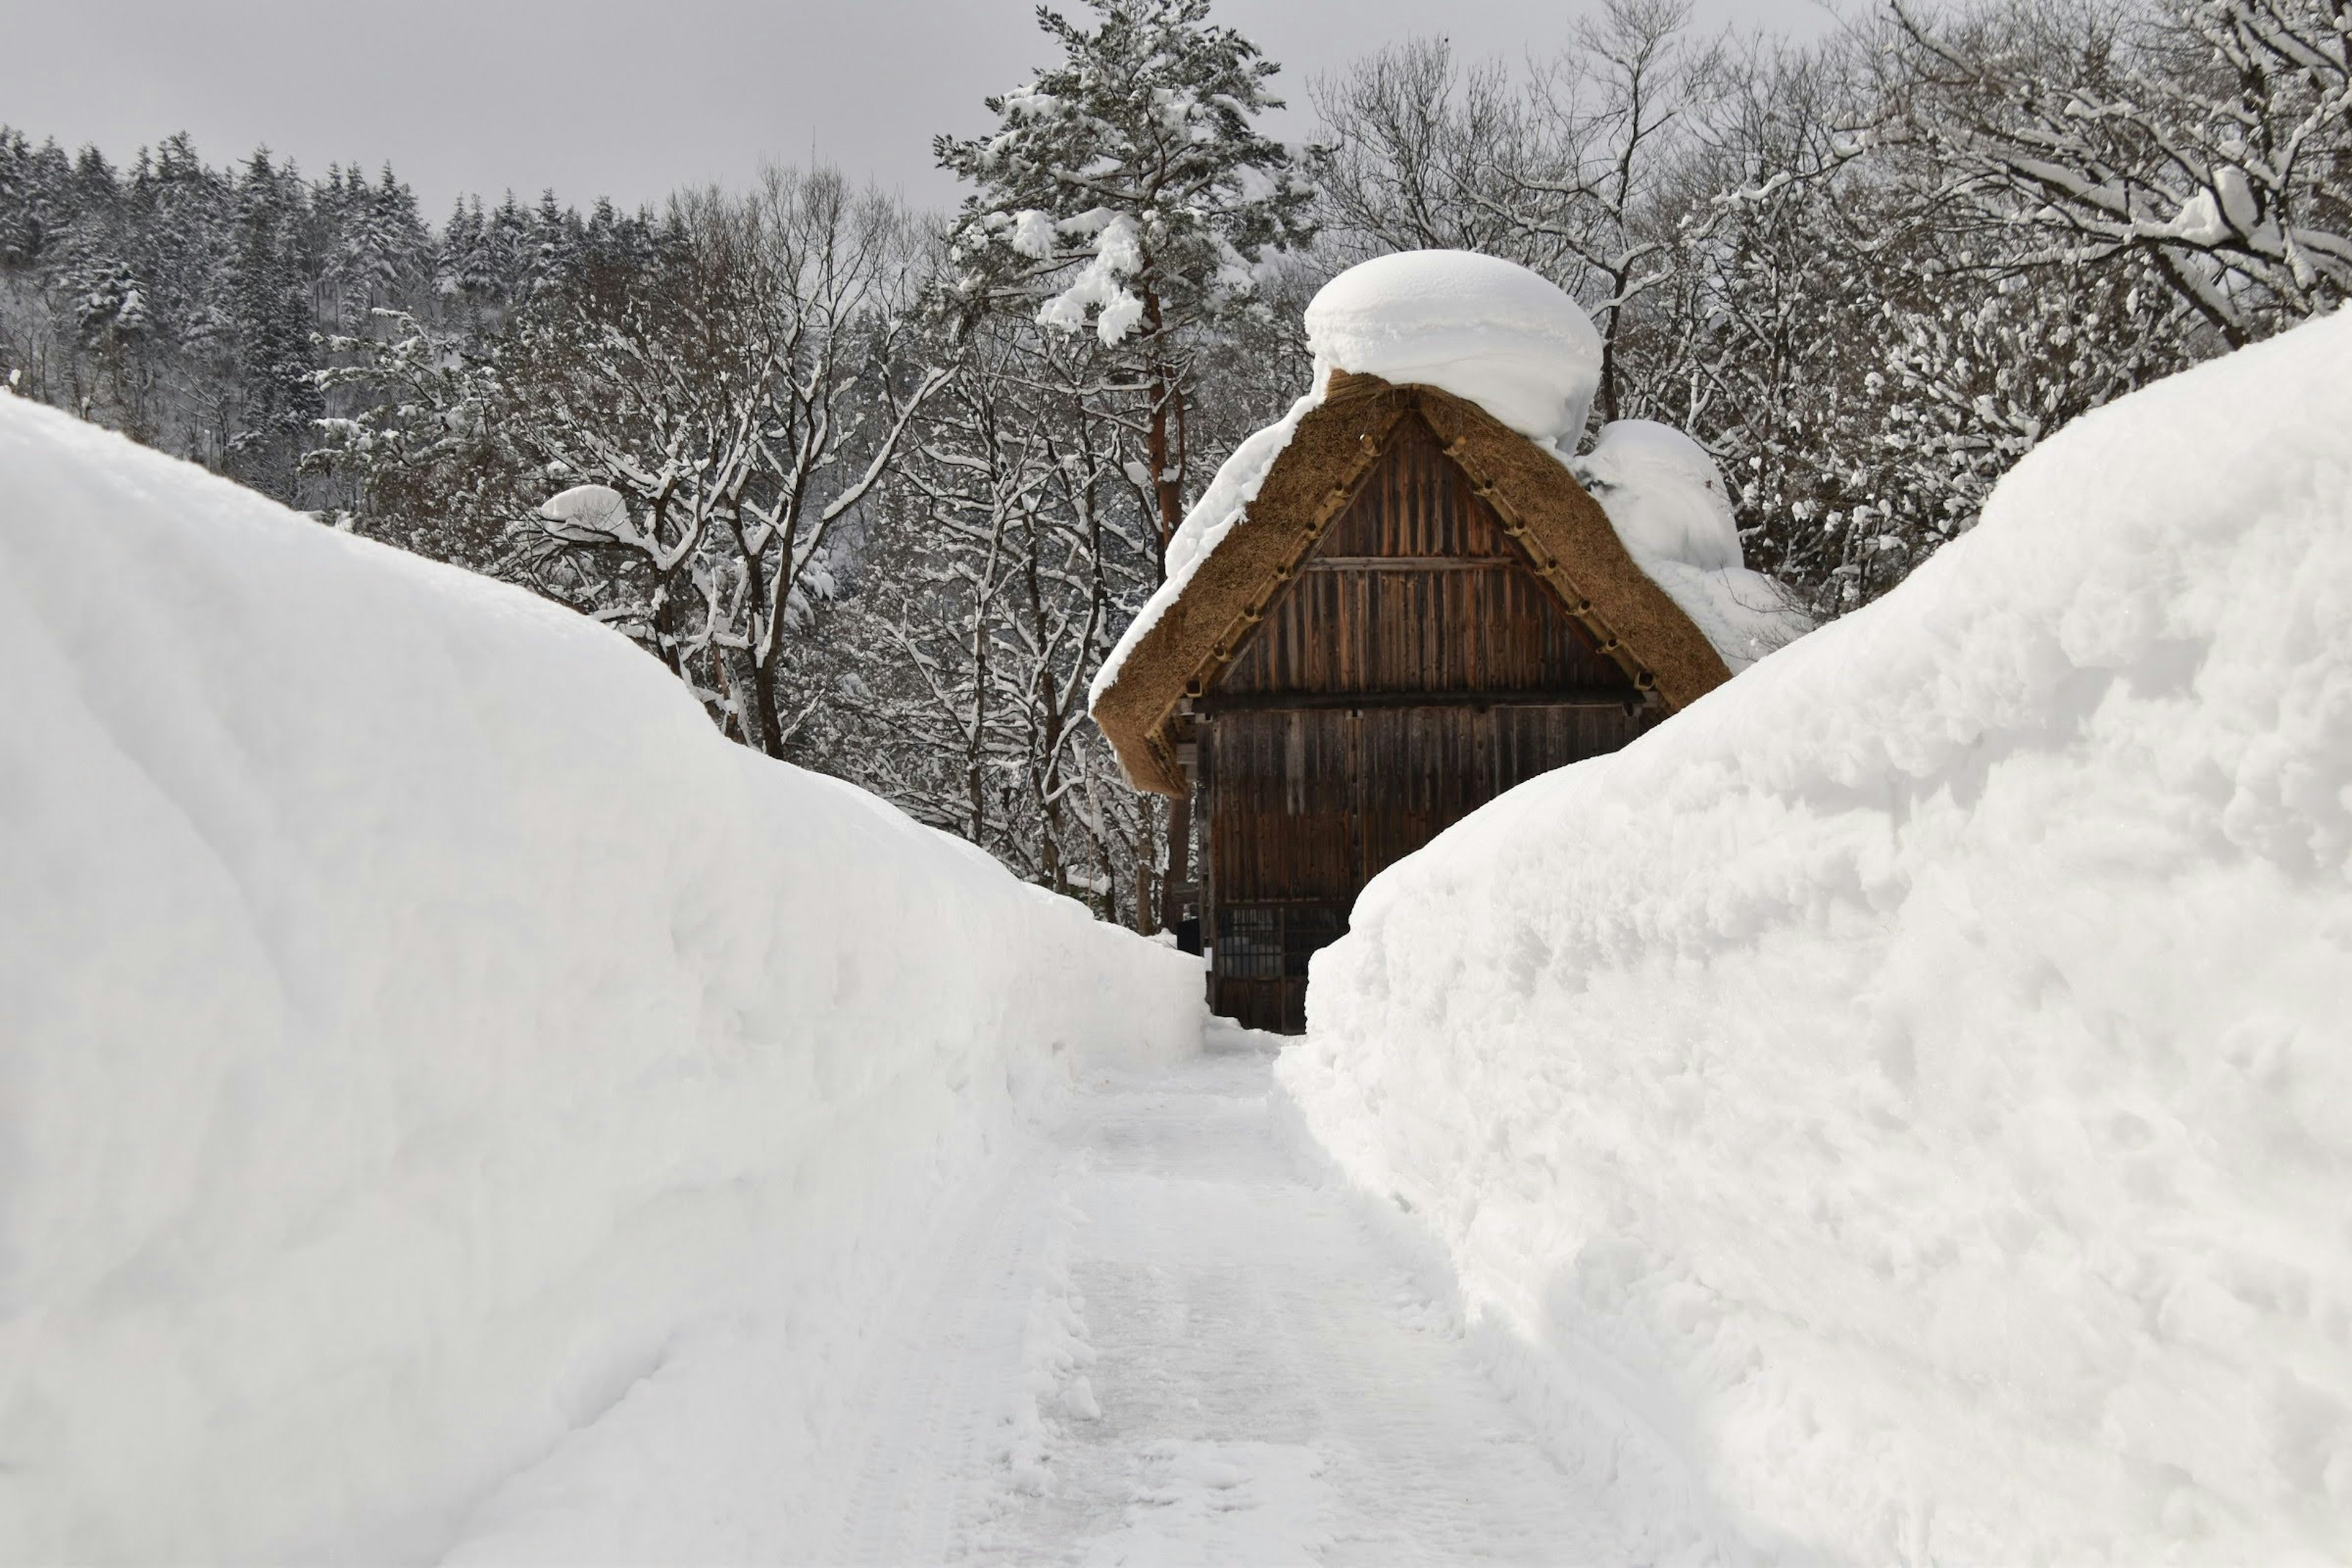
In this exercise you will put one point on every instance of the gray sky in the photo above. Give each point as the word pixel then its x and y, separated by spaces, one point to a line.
pixel 628 100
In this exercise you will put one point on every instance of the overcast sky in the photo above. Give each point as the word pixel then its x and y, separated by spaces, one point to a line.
pixel 630 100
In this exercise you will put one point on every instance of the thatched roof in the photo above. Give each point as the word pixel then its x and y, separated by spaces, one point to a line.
pixel 1563 530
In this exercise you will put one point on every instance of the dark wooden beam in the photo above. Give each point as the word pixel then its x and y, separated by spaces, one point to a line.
pixel 1297 701
pixel 1413 564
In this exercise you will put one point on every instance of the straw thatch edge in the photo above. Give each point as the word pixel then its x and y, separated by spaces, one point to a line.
pixel 1567 537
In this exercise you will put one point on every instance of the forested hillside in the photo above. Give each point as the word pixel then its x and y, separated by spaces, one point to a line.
pixel 883 486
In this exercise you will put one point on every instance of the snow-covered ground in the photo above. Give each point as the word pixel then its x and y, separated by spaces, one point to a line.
pixel 456 1106
pixel 450 1099
pixel 1901 1109
pixel 1169 1337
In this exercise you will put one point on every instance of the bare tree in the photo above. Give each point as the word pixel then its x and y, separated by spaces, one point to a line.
pixel 1013 539
pixel 741 402
pixel 1578 170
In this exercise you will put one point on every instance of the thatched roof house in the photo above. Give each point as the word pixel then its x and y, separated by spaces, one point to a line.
pixel 1567 538
pixel 1400 601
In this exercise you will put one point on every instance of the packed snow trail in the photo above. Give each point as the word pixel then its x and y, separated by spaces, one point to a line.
pixel 1161 1339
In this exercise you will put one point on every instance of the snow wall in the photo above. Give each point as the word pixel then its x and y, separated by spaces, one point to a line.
pixel 450 1095
pixel 1901 1109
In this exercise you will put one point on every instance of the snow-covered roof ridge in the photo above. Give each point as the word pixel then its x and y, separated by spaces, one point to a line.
pixel 1479 327
pixel 1513 344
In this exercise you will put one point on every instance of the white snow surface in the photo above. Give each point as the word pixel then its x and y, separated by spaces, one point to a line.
pixel 1171 1335
pixel 1477 326
pixel 452 1101
pixel 1911 1090
pixel 1663 493
pixel 588 513
pixel 1665 497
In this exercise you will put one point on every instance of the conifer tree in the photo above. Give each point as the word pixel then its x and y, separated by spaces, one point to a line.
pixel 1127 187
pixel 274 327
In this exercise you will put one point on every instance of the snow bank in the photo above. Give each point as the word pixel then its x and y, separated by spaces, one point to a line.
pixel 1665 497
pixel 1903 1106
pixel 1477 326
pixel 449 1095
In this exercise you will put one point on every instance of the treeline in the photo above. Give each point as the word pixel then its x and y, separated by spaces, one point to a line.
pixel 196 308
pixel 883 487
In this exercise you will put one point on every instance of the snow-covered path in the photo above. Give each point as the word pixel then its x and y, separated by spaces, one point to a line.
pixel 1158 1341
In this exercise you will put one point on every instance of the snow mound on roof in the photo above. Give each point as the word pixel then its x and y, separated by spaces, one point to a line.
pixel 445 1088
pixel 1477 326
pixel 1665 497
pixel 1910 1091
pixel 1744 615
pixel 1663 493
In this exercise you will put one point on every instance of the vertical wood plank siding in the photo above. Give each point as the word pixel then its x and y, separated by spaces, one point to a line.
pixel 1459 611
pixel 1414 588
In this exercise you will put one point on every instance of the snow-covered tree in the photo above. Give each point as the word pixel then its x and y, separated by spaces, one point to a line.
pixel 1127 188
pixel 991 592
pixel 740 399
pixel 2209 141
pixel 274 326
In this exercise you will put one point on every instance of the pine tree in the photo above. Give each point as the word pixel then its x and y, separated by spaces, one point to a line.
pixel 273 330
pixel 459 272
pixel 1128 186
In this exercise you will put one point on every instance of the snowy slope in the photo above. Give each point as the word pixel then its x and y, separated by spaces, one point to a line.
pixel 1903 1106
pixel 449 1095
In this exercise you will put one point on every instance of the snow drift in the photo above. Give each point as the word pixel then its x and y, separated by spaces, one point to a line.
pixel 1901 1109
pixel 449 1095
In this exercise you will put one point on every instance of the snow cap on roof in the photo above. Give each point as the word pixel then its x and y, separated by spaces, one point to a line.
pixel 1666 498
pixel 1664 493
pixel 1477 326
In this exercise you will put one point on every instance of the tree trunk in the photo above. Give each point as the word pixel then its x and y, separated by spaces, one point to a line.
pixel 766 722
pixel 1180 862
pixel 1167 478
pixel 1167 489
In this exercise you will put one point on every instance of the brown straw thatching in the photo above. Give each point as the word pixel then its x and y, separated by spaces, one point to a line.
pixel 1567 537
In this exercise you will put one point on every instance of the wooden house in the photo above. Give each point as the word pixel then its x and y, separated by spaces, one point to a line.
pixel 1420 609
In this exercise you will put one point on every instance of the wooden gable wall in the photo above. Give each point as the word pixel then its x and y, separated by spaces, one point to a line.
pixel 1414 669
